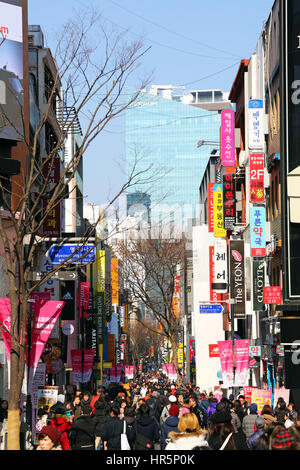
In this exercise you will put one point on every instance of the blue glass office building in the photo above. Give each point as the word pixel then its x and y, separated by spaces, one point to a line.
pixel 162 135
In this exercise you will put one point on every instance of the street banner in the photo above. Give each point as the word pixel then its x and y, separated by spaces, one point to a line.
pixel 84 299
pixel 218 211
pixel 257 178
pixel 5 324
pixel 229 201
pixel 210 207
pixel 227 138
pixel 258 282
pixel 220 265
pixel 213 294
pixel 272 295
pixel 241 355
pixel 45 316
pixel 129 372
pixel 258 231
pixel 82 364
pixel 237 277
pixel 171 372
pixel 256 124
pixel 261 398
pixel 226 358
pixel 115 372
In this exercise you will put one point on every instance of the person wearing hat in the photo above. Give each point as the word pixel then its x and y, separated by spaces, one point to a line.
pixel 165 412
pixel 48 438
pixel 260 429
pixel 170 425
pixel 248 423
pixel 221 432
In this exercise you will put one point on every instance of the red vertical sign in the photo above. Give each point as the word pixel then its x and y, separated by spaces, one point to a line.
pixel 211 207
pixel 214 296
pixel 257 177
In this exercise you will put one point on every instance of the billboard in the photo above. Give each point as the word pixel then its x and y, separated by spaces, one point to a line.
pixel 11 71
pixel 289 140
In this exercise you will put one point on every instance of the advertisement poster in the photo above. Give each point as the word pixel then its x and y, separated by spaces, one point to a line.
pixel 261 398
pixel 226 358
pixel 272 295
pixel 47 396
pixel 228 137
pixel 241 362
pixel 283 393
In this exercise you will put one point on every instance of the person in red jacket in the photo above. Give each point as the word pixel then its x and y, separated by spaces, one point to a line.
pixel 61 423
pixel 95 398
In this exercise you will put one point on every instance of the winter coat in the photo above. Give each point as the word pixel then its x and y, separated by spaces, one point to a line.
pixel 63 426
pixel 186 441
pixel 111 433
pixel 268 419
pixel 235 421
pixel 201 415
pixel 130 432
pixel 211 409
pixel 215 441
pixel 249 424
pixel 101 415
pixel 93 401
pixel 76 410
pixel 254 438
pixel 149 428
pixel 170 425
pixel 82 434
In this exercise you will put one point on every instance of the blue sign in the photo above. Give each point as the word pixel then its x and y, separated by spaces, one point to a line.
pixel 81 254
pixel 211 308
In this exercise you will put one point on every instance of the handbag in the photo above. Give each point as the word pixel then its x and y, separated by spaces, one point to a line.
pixel 225 442
pixel 124 441
pixel 142 442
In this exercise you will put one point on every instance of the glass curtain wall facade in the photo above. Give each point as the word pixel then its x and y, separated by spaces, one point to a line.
pixel 161 139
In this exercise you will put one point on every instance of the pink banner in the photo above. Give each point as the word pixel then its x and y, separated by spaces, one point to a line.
pixel 115 372
pixel 226 358
pixel 227 137
pixel 241 362
pixel 84 298
pixel 46 313
pixel 39 296
pixel 171 372
pixel 5 324
pixel 129 371
pixel 82 364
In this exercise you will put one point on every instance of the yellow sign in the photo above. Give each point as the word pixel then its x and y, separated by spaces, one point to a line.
pixel 115 281
pixel 180 353
pixel 219 230
pixel 100 271
pixel 107 365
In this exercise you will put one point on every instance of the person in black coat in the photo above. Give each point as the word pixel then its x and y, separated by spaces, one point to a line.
pixel 130 418
pixel 195 408
pixel 147 426
pixel 112 430
pixel 82 433
pixel 101 414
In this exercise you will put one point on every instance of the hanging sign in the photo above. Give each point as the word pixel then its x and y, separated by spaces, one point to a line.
pixel 237 277
pixel 218 211
pixel 227 137
pixel 256 124
pixel 229 201
pixel 258 282
pixel 257 178
pixel 272 295
pixel 258 231
pixel 220 265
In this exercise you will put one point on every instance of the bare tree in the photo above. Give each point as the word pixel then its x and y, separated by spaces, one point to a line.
pixel 89 71
pixel 150 267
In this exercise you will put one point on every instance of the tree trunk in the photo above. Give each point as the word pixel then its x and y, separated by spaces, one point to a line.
pixel 174 347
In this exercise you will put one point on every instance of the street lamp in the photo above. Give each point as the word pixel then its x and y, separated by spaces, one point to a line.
pixel 200 143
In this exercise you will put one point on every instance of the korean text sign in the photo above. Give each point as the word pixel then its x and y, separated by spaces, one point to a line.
pixel 218 211
pixel 256 124
pixel 258 231
pixel 272 295
pixel 227 137
pixel 229 201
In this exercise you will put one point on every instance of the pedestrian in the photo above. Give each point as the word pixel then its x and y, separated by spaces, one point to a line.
pixel 268 415
pixel 61 423
pixel 285 439
pixel 154 404
pixel 112 430
pixel 170 425
pixel 59 405
pixel 292 412
pixel 130 418
pixel 76 407
pixel 249 421
pixel 165 412
pixel 95 398
pixel 221 433
pixel 82 433
pixel 86 399
pixel 236 422
pixel 189 435
pixel 211 409
pixel 195 408
pixel 3 410
pixel 239 410
pixel 281 410
pixel 243 402
pixel 147 427
pixel 48 439
pixel 101 413
pixel 260 430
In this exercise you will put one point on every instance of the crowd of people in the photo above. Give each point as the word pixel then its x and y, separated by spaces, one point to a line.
pixel 159 415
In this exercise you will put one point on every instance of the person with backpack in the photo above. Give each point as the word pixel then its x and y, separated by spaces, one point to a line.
pixel 146 430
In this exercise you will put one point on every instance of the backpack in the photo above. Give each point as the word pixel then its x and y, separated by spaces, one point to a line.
pixel 142 442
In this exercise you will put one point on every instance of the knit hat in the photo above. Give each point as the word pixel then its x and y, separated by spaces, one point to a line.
pixel 223 416
pixel 259 422
pixel 174 410
pixel 52 432
pixel 284 438
pixel 253 408
pixel 172 399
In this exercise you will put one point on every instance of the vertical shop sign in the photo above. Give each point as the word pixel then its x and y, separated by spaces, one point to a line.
pixel 258 282
pixel 220 265
pixel 227 138
pixel 257 178
pixel 218 211
pixel 210 202
pixel 237 277
pixel 214 295
pixel 229 201
pixel 256 124
pixel 258 231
